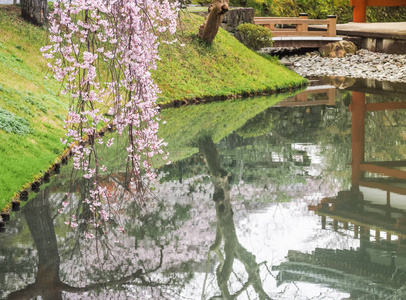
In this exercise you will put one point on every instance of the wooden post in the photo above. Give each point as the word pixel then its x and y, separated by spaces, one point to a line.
pixel 301 96
pixel 335 224
pixel 366 233
pixel 302 27
pixel 332 26
pixel 377 236
pixel 357 135
pixel 331 97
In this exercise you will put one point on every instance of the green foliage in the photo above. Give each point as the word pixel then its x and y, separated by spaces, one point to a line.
pixel 12 124
pixel 386 14
pixel 320 9
pixel 254 36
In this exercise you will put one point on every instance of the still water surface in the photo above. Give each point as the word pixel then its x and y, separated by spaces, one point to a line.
pixel 303 200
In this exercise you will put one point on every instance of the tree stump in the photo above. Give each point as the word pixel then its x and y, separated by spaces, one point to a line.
pixel 208 30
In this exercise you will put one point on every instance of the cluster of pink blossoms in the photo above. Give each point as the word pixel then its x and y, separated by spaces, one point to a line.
pixel 103 52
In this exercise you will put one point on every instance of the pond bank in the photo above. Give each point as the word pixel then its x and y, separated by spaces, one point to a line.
pixel 364 64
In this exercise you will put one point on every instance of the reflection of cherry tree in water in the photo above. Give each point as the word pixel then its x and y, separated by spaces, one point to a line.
pixel 47 282
pixel 88 269
pixel 226 232
pixel 155 256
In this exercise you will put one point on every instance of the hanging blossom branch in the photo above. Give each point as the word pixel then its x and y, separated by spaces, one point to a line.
pixel 103 52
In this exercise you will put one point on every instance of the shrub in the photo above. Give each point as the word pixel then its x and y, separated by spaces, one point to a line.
pixel 12 124
pixel 254 36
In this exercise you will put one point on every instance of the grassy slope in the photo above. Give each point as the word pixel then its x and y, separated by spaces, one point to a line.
pixel 192 71
pixel 223 68
pixel 25 94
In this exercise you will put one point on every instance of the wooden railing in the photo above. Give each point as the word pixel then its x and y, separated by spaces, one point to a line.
pixel 297 26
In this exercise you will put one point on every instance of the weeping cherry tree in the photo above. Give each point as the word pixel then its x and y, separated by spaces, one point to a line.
pixel 103 53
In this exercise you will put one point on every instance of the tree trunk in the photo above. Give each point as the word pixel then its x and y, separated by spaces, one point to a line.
pixel 209 29
pixel 35 11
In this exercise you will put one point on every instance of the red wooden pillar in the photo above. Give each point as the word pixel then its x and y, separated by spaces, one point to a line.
pixel 359 13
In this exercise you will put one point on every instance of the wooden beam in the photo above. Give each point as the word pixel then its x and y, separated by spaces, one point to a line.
pixel 386 3
pixel 300 44
pixel 393 163
pixel 302 103
pixel 360 7
pixel 383 106
pixel 290 21
pixel 290 32
pixel 383 170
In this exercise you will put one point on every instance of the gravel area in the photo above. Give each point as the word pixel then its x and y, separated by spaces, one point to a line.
pixel 363 64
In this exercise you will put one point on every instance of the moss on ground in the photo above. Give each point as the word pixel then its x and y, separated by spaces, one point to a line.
pixel 32 112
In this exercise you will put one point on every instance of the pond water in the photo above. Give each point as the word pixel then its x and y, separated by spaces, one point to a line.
pixel 298 199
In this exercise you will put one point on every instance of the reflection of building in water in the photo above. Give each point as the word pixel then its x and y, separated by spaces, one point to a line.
pixel 376 202
pixel 374 209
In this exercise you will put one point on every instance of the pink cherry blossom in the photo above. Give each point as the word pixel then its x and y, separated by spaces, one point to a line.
pixel 103 52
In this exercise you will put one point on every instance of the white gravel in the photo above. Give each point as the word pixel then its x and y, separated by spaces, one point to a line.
pixel 363 64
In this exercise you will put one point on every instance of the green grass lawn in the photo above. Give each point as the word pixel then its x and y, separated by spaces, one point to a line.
pixel 224 68
pixel 32 112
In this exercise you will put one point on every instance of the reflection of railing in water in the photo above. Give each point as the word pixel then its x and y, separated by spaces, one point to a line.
pixel 301 99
